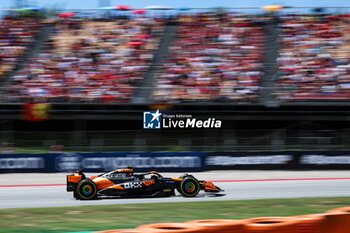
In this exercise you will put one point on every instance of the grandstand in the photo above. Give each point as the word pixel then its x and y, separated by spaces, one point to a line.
pixel 314 62
pixel 204 57
pixel 88 61
pixel 213 58
pixel 17 35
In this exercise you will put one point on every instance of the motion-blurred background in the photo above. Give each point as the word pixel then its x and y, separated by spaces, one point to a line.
pixel 79 80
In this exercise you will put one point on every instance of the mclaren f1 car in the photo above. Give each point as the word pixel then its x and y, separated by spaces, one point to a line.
pixel 126 183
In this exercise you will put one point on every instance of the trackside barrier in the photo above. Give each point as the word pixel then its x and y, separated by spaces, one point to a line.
pixel 333 221
pixel 220 225
pixel 311 223
pixel 271 225
pixel 174 161
pixel 103 162
pixel 121 231
pixel 338 220
pixel 171 228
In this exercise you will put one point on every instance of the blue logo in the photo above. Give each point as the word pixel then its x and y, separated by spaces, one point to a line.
pixel 151 120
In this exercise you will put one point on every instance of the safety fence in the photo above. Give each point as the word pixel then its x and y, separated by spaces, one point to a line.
pixel 175 161
pixel 333 221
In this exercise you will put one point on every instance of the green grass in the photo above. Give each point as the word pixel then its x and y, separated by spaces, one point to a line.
pixel 93 218
pixel 35 151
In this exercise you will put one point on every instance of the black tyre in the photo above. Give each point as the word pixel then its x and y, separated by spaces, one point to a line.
pixel 75 195
pixel 183 177
pixel 86 190
pixel 189 187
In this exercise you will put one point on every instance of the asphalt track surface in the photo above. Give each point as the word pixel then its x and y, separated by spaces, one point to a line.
pixel 41 195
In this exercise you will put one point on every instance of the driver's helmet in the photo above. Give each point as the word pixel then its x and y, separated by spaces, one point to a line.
pixel 131 173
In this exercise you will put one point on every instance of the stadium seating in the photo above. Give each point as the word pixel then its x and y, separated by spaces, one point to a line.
pixel 89 61
pixel 314 61
pixel 213 58
pixel 16 35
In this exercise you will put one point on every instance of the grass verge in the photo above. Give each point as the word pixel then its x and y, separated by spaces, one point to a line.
pixel 94 218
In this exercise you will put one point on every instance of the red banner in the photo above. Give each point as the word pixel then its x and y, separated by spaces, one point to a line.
pixel 36 111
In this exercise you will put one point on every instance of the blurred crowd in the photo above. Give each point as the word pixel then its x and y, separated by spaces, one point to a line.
pixel 89 61
pixel 16 35
pixel 213 58
pixel 314 61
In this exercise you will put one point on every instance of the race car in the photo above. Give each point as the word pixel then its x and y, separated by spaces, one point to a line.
pixel 126 183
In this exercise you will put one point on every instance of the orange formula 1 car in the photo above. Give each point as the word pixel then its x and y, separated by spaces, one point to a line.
pixel 125 183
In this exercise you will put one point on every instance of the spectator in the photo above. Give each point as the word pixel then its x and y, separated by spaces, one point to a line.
pixel 314 62
pixel 89 61
pixel 213 58
pixel 16 35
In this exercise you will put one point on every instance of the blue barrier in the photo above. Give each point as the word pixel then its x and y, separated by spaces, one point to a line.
pixel 277 160
pixel 100 162
pixel 174 161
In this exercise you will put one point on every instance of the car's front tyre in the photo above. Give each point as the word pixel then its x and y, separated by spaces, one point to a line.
pixel 189 187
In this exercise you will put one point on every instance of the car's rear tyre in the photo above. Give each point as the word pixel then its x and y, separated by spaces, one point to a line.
pixel 86 190
pixel 189 187
pixel 75 195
